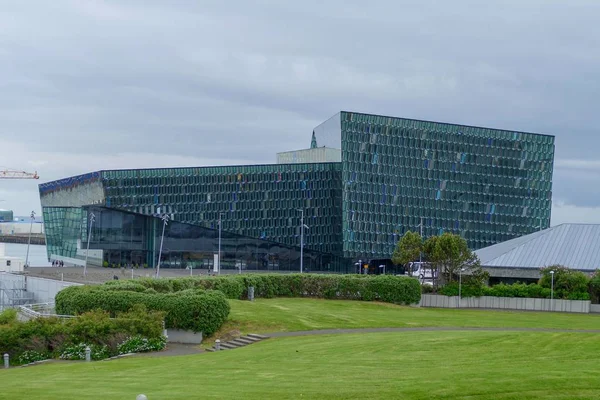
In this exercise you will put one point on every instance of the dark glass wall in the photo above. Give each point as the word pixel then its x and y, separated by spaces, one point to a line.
pixel 128 238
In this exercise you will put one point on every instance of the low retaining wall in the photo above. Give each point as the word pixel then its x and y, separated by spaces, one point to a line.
pixel 44 290
pixel 183 337
pixel 506 303
pixel 595 308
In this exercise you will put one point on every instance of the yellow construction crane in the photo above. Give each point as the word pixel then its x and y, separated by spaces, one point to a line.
pixel 10 174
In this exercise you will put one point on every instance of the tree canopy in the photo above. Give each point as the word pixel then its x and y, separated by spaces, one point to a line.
pixel 449 253
pixel 408 248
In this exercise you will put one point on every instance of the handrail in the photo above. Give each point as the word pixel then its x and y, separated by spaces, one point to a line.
pixel 30 310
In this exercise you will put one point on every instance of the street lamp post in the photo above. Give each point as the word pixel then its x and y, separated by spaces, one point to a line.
pixel 219 258
pixel 302 226
pixel 92 219
pixel 165 219
pixel 552 291
pixel 32 215
pixel 460 271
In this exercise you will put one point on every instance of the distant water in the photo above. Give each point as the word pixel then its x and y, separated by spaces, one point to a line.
pixel 37 253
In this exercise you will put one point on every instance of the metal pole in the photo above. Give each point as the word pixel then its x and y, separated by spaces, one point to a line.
pixel 219 258
pixel 552 292
pixel 29 241
pixel 459 285
pixel 92 218
pixel 165 218
pixel 420 252
pixel 301 240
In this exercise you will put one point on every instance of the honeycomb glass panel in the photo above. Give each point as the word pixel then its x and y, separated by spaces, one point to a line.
pixel 485 184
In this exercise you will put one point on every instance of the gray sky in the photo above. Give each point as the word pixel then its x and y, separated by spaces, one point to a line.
pixel 89 85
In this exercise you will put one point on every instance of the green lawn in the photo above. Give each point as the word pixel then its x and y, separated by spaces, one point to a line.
pixel 420 365
pixel 286 314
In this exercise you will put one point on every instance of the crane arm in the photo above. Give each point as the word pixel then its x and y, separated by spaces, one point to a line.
pixel 8 174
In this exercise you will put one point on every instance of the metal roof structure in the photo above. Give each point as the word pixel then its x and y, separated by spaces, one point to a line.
pixel 575 246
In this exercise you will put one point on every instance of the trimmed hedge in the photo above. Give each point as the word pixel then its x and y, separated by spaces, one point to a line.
pixel 195 310
pixel 387 288
pixel 533 290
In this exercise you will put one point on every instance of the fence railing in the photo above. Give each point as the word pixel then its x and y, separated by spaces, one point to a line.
pixel 506 303
pixel 41 310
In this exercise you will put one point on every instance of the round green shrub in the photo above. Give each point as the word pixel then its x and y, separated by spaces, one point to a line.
pixel 198 311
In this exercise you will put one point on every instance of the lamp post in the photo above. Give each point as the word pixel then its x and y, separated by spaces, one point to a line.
pixel 420 252
pixel 29 241
pixel 552 291
pixel 302 226
pixel 92 219
pixel 460 271
pixel 219 258
pixel 165 219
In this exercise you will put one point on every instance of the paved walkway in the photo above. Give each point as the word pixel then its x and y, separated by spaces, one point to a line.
pixel 423 329
pixel 174 349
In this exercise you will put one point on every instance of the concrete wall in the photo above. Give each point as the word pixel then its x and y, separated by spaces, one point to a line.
pixel 185 337
pixel 11 264
pixel 44 290
pixel 21 228
pixel 506 303
pixel 595 308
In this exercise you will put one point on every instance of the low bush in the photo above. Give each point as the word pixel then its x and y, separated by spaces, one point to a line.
pixel 388 288
pixel 568 283
pixel 140 344
pixel 426 289
pixel 126 286
pixel 50 337
pixel 595 286
pixel 195 310
pixel 533 290
pixel 518 290
pixel 7 316
pixel 77 352
pixel 466 290
pixel 29 356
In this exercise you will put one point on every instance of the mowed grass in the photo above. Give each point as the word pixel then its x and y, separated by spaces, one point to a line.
pixel 290 314
pixel 420 365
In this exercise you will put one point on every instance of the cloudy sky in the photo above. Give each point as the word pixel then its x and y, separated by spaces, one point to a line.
pixel 90 84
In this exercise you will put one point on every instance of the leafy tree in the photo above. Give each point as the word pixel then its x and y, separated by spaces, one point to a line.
pixel 569 284
pixel 408 249
pixel 449 253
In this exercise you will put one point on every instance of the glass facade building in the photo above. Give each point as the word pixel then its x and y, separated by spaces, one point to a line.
pixel 395 175
pixel 487 185
pixel 256 201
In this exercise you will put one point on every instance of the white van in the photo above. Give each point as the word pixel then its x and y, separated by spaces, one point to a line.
pixel 420 270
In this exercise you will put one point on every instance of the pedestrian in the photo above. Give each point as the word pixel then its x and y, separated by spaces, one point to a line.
pixel 62 264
